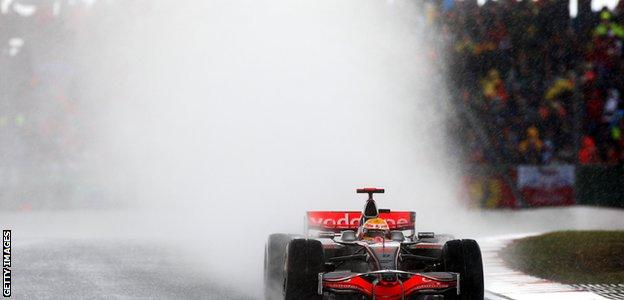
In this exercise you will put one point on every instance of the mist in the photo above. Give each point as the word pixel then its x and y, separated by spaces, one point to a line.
pixel 160 142
pixel 227 120
pixel 219 122
pixel 267 103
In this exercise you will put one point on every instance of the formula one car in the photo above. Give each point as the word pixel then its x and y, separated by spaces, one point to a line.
pixel 373 254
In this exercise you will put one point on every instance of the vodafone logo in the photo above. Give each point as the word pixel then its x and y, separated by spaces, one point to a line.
pixel 351 220
pixel 346 221
pixel 397 223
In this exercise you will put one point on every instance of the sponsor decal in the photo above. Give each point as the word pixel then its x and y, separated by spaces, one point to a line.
pixel 6 263
pixel 427 283
pixel 551 185
pixel 334 220
pixel 342 220
pixel 487 191
pixel 547 185
pixel 345 286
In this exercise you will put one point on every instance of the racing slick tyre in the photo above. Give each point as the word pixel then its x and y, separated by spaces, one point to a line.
pixel 464 257
pixel 304 261
pixel 274 256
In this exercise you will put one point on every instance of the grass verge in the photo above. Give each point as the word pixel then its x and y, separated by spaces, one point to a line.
pixel 573 257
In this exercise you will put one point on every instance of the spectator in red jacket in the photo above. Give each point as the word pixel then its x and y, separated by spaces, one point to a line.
pixel 588 153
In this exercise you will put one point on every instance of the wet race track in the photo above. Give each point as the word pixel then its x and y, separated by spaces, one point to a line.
pixel 115 269
pixel 109 269
pixel 95 258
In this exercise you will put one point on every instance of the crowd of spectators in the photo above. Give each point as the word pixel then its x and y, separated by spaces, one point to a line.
pixel 40 108
pixel 535 86
pixel 543 87
pixel 43 122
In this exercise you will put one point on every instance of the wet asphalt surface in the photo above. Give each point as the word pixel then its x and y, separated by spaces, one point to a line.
pixel 79 269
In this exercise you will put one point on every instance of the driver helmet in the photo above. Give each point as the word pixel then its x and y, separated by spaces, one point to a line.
pixel 374 228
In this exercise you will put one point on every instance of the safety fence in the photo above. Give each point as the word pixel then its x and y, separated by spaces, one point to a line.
pixel 550 185
pixel 600 185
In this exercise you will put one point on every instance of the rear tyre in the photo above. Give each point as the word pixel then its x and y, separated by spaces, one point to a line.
pixel 464 257
pixel 274 256
pixel 304 261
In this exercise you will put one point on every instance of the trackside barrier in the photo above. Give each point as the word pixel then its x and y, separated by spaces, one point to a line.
pixel 600 186
pixel 551 185
pixel 556 185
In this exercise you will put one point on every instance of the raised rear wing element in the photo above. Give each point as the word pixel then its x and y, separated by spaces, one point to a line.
pixel 370 191
pixel 337 221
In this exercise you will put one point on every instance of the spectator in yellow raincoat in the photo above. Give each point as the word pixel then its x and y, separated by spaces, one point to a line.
pixel 531 147
pixel 493 86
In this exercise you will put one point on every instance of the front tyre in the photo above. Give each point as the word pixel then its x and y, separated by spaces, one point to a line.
pixel 464 257
pixel 304 261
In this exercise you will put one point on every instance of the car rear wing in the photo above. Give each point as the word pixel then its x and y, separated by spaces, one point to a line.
pixel 337 221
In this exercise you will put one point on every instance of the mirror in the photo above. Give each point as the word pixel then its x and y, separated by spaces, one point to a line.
pixel 348 236
pixel 397 236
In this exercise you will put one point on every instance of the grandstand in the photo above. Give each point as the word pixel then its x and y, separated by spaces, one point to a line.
pixel 537 89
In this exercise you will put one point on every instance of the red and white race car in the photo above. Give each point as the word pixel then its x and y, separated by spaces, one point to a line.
pixel 373 254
